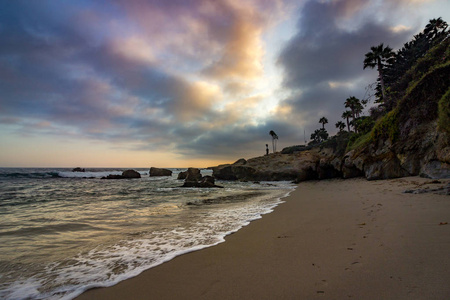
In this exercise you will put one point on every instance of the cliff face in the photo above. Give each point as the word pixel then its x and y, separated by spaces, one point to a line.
pixel 426 152
pixel 412 139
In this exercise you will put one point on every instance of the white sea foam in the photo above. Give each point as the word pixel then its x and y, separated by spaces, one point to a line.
pixel 88 174
pixel 195 227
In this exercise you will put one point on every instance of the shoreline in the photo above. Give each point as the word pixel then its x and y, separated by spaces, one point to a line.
pixel 329 239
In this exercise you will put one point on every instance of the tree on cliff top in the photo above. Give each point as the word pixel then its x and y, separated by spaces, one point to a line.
pixel 323 121
pixel 274 140
pixel 346 115
pixel 340 125
pixel 378 57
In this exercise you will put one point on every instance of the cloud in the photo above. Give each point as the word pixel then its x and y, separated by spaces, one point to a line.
pixel 323 62
pixel 191 77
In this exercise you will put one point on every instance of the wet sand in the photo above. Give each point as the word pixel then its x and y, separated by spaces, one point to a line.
pixel 331 239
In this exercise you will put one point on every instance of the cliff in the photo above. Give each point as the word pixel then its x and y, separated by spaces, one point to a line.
pixel 411 139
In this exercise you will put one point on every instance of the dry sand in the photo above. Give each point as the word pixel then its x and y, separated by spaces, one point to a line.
pixel 331 239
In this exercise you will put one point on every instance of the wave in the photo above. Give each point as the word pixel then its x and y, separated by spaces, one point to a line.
pixel 60 174
pixel 31 175
pixel 88 174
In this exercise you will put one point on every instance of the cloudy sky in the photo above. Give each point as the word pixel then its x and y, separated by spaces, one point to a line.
pixel 180 83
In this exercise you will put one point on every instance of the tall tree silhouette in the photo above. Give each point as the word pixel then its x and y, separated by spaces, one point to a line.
pixel 346 115
pixel 434 28
pixel 355 106
pixel 274 140
pixel 323 121
pixel 378 57
pixel 340 125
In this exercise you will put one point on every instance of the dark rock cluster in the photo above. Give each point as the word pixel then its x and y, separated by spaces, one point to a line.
pixel 193 178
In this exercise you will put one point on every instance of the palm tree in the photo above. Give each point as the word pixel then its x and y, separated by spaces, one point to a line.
pixel 274 140
pixel 433 27
pixel 340 125
pixel 319 135
pixel 323 121
pixel 377 58
pixel 347 115
pixel 353 103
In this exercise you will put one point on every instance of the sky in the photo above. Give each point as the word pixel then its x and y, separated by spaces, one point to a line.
pixel 181 83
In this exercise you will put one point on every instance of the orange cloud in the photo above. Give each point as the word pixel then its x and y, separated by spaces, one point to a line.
pixel 243 53
pixel 194 100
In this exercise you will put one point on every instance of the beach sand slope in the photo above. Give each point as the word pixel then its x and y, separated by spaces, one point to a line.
pixel 331 239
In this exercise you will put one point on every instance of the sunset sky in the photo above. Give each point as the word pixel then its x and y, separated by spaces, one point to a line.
pixel 180 83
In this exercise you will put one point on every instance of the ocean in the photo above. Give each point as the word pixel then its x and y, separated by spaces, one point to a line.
pixel 63 232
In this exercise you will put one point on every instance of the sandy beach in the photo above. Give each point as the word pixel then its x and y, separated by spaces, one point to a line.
pixel 331 239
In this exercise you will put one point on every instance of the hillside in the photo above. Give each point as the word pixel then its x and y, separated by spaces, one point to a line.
pixel 412 138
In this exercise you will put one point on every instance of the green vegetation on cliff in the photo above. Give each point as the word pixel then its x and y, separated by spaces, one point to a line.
pixel 413 90
pixel 444 113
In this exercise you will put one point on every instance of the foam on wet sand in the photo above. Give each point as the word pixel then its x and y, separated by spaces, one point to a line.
pixel 331 239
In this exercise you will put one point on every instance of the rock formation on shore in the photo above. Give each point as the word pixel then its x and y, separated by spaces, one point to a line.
pixel 426 152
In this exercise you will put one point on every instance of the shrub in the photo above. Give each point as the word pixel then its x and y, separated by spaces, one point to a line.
pixel 444 112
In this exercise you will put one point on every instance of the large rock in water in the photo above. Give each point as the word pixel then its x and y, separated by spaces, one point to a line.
pixel 193 174
pixel 128 174
pixel 159 172
pixel 204 182
pixel 131 174
pixel 182 175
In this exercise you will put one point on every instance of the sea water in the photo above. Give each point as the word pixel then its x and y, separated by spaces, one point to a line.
pixel 64 232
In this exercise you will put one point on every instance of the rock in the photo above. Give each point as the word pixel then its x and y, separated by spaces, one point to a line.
pixel 193 174
pixel 128 174
pixel 435 170
pixel 182 175
pixel 111 176
pixel 276 166
pixel 78 169
pixel 240 161
pixel 205 182
pixel 159 172
pixel 293 149
pixel 131 174
pixel 224 172
pixel 383 166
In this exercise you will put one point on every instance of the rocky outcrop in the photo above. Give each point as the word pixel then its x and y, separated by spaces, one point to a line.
pixel 182 175
pixel 128 174
pixel 425 152
pixel 159 172
pixel 193 175
pixel 195 179
pixel 78 169
pixel 277 166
